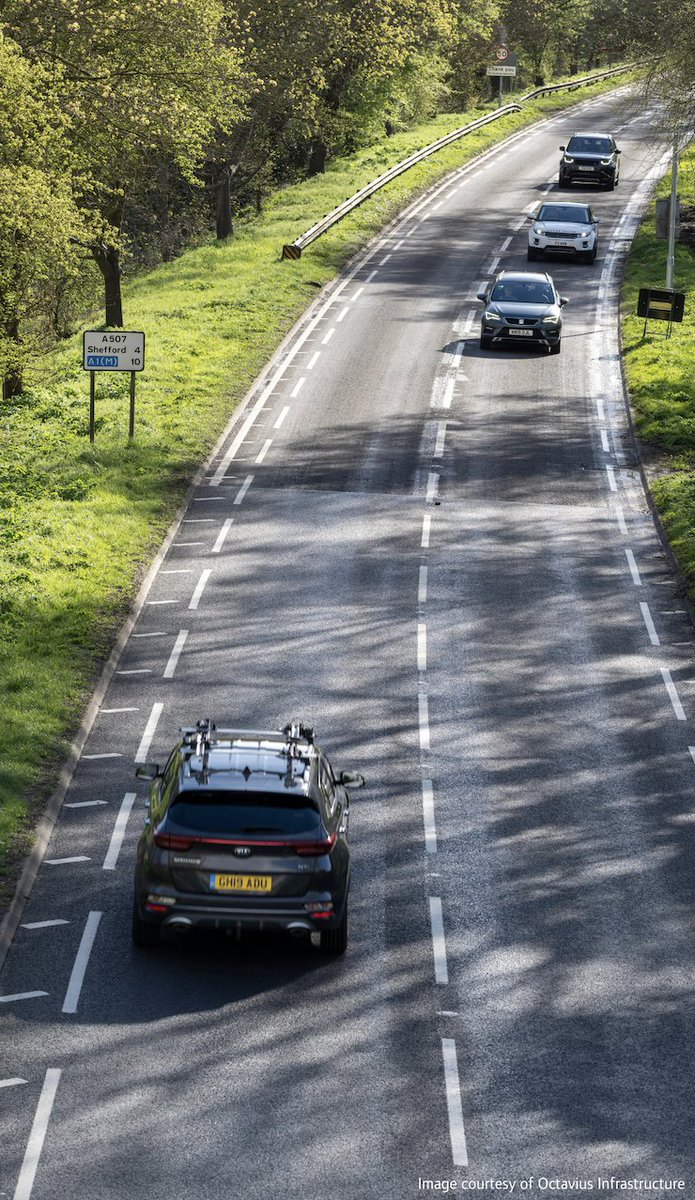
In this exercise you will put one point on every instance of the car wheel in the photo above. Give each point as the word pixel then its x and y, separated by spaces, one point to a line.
pixel 589 256
pixel 555 349
pixel 608 187
pixel 563 182
pixel 485 342
pixel 334 941
pixel 144 933
pixel 532 255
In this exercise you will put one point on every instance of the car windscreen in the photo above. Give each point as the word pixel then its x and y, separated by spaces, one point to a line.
pixel 517 291
pixel 590 145
pixel 576 214
pixel 243 813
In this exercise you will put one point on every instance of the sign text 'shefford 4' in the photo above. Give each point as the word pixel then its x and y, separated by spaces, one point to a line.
pixel 118 351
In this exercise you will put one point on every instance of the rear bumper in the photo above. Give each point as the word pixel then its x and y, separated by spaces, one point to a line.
pixel 277 916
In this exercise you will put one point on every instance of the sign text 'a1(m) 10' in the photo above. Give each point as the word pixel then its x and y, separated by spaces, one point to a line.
pixel 118 351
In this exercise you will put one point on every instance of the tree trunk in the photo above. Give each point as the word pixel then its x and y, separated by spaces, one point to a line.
pixel 12 384
pixel 224 226
pixel 317 157
pixel 108 260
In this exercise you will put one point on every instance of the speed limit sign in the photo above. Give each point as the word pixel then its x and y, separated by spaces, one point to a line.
pixel 501 53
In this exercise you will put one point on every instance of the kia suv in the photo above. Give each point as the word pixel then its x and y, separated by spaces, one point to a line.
pixel 563 228
pixel 522 306
pixel 590 158
pixel 245 830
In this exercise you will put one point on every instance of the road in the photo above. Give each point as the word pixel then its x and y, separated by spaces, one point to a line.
pixel 443 558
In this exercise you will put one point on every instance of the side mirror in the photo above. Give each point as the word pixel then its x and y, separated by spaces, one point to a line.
pixel 148 770
pixel 563 147
pixel 617 151
pixel 563 301
pixel 351 779
pixel 482 296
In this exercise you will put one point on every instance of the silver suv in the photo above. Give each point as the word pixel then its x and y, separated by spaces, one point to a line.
pixel 563 228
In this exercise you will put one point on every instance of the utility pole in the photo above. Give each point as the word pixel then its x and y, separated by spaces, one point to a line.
pixel 672 217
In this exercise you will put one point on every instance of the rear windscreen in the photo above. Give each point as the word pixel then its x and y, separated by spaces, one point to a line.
pixel 243 813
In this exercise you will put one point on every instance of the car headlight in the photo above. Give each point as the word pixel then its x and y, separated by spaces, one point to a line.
pixel 537 229
pixel 605 162
pixel 587 232
pixel 491 316
pixel 550 321
pixel 566 158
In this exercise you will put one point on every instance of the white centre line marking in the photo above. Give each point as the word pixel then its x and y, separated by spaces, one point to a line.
pixel 150 730
pixel 518 224
pixel 439 444
pixel 600 410
pixel 84 803
pixel 282 416
pixel 611 479
pixel 328 336
pixel 505 245
pixel 21 996
pixel 118 710
pixel 633 568
pixel 422 586
pixel 422 647
pixel 222 535
pixel 604 441
pixel 441 970
pixel 313 360
pixel 424 721
pixel 243 490
pixel 384 260
pixel 346 310
pixel 448 393
pixel 369 278
pixel 44 924
pixel 357 294
pixel 398 245
pixel 428 816
pixel 494 265
pixel 11 1082
pixel 297 387
pixel 175 654
pixel 651 628
pixel 94 757
pixel 426 522
pixel 32 1154
pixel 200 588
pixel 432 485
pixel 621 518
pixel 673 694
pixel 61 862
pixel 457 1132
pixel 72 995
pixel 119 832
pixel 264 450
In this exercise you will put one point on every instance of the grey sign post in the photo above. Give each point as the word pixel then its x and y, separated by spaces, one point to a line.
pixel 503 70
pixel 117 350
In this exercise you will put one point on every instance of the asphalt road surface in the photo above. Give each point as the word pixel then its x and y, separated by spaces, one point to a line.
pixel 444 560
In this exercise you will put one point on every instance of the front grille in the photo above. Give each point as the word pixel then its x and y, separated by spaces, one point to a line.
pixel 567 234
pixel 527 321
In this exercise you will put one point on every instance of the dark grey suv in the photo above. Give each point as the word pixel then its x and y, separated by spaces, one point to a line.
pixel 590 158
pixel 522 307
pixel 246 830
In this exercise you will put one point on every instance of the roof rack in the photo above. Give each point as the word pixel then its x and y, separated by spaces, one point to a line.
pixel 295 740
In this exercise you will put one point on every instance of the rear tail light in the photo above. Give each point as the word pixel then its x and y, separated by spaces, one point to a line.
pixel 320 908
pixel 172 841
pixel 323 847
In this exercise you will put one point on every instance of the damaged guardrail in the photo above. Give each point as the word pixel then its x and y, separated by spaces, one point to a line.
pixel 294 249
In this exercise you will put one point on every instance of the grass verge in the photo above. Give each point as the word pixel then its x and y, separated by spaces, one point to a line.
pixel 661 378
pixel 79 521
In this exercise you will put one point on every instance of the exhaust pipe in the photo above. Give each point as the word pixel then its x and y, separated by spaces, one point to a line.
pixel 297 929
pixel 178 923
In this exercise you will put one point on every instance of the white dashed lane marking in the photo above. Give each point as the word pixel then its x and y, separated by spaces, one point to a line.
pixel 673 694
pixel 175 654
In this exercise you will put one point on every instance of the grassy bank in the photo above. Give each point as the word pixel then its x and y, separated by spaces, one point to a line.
pixel 661 378
pixel 79 521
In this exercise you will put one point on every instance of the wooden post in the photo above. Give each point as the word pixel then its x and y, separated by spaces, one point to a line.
pixel 131 425
pixel 91 405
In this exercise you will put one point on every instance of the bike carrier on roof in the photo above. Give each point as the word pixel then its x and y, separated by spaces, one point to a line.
pixel 296 740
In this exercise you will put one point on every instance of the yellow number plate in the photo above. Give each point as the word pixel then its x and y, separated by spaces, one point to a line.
pixel 241 883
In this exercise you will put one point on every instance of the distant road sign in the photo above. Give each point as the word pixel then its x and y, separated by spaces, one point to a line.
pixel 113 351
pixel 500 70
pixel 502 53
pixel 660 304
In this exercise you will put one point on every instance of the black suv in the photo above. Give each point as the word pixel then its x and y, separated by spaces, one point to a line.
pixel 246 829
pixel 591 158
pixel 522 307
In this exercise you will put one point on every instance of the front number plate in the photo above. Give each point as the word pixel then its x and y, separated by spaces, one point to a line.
pixel 586 168
pixel 520 332
pixel 241 883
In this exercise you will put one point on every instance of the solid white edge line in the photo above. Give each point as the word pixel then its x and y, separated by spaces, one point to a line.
pixel 634 570
pixel 648 620
pixel 150 729
pixel 423 721
pixel 428 816
pixel 119 832
pixel 457 1132
pixel 441 970
pixel 32 1154
pixel 243 490
pixel 422 586
pixel 673 694
pixel 425 539
pixel 222 535
pixel 421 647
pixel 200 588
pixel 264 450
pixel 72 996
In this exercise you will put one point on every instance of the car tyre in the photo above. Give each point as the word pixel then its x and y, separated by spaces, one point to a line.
pixel 589 256
pixel 143 933
pixel 485 342
pixel 532 255
pixel 563 183
pixel 334 941
pixel 608 187
pixel 555 349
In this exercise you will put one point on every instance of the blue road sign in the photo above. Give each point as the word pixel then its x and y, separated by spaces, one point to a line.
pixel 99 362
